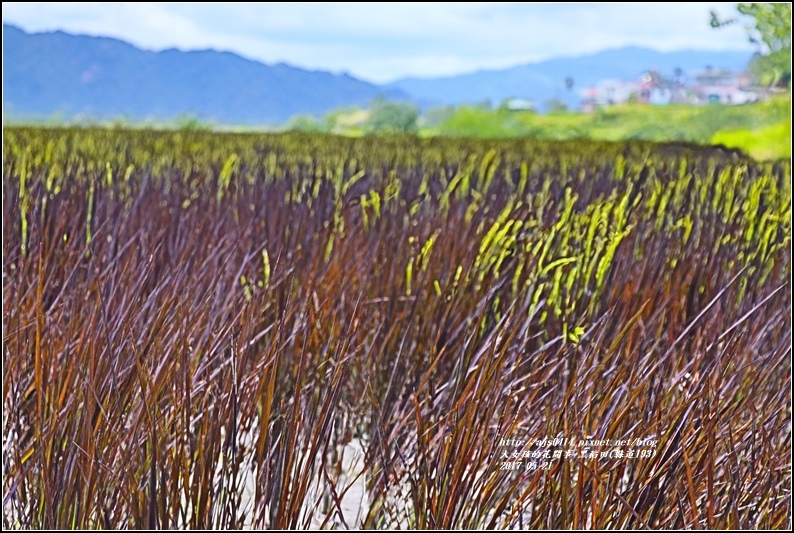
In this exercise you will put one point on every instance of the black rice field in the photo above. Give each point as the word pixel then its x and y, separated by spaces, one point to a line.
pixel 199 329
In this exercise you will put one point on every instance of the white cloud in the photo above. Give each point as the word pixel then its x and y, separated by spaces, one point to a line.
pixel 381 42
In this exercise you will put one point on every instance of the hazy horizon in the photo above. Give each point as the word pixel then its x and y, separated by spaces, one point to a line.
pixel 385 42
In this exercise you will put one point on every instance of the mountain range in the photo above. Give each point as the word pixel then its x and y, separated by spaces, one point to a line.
pixel 56 74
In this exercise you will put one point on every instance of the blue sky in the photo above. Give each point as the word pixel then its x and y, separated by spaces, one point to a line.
pixel 383 42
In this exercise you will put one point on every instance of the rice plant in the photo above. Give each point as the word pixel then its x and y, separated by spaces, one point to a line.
pixel 306 331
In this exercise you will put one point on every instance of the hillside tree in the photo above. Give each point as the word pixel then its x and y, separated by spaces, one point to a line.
pixel 392 117
pixel 769 27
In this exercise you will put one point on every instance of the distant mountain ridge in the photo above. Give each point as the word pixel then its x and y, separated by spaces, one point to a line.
pixel 56 73
pixel 64 75
pixel 546 79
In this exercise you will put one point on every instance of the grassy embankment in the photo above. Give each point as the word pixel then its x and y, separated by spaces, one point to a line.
pixel 763 129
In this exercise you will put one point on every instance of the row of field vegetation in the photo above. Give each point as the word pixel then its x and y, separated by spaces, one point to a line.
pixel 762 129
pixel 198 325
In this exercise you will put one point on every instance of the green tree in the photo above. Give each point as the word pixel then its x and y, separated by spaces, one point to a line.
pixel 437 115
pixel 555 105
pixel 392 117
pixel 770 29
pixel 304 123
pixel 191 123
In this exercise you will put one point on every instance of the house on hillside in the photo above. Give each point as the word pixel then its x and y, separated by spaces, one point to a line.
pixel 519 104
pixel 725 87
pixel 709 86
pixel 655 89
pixel 608 92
